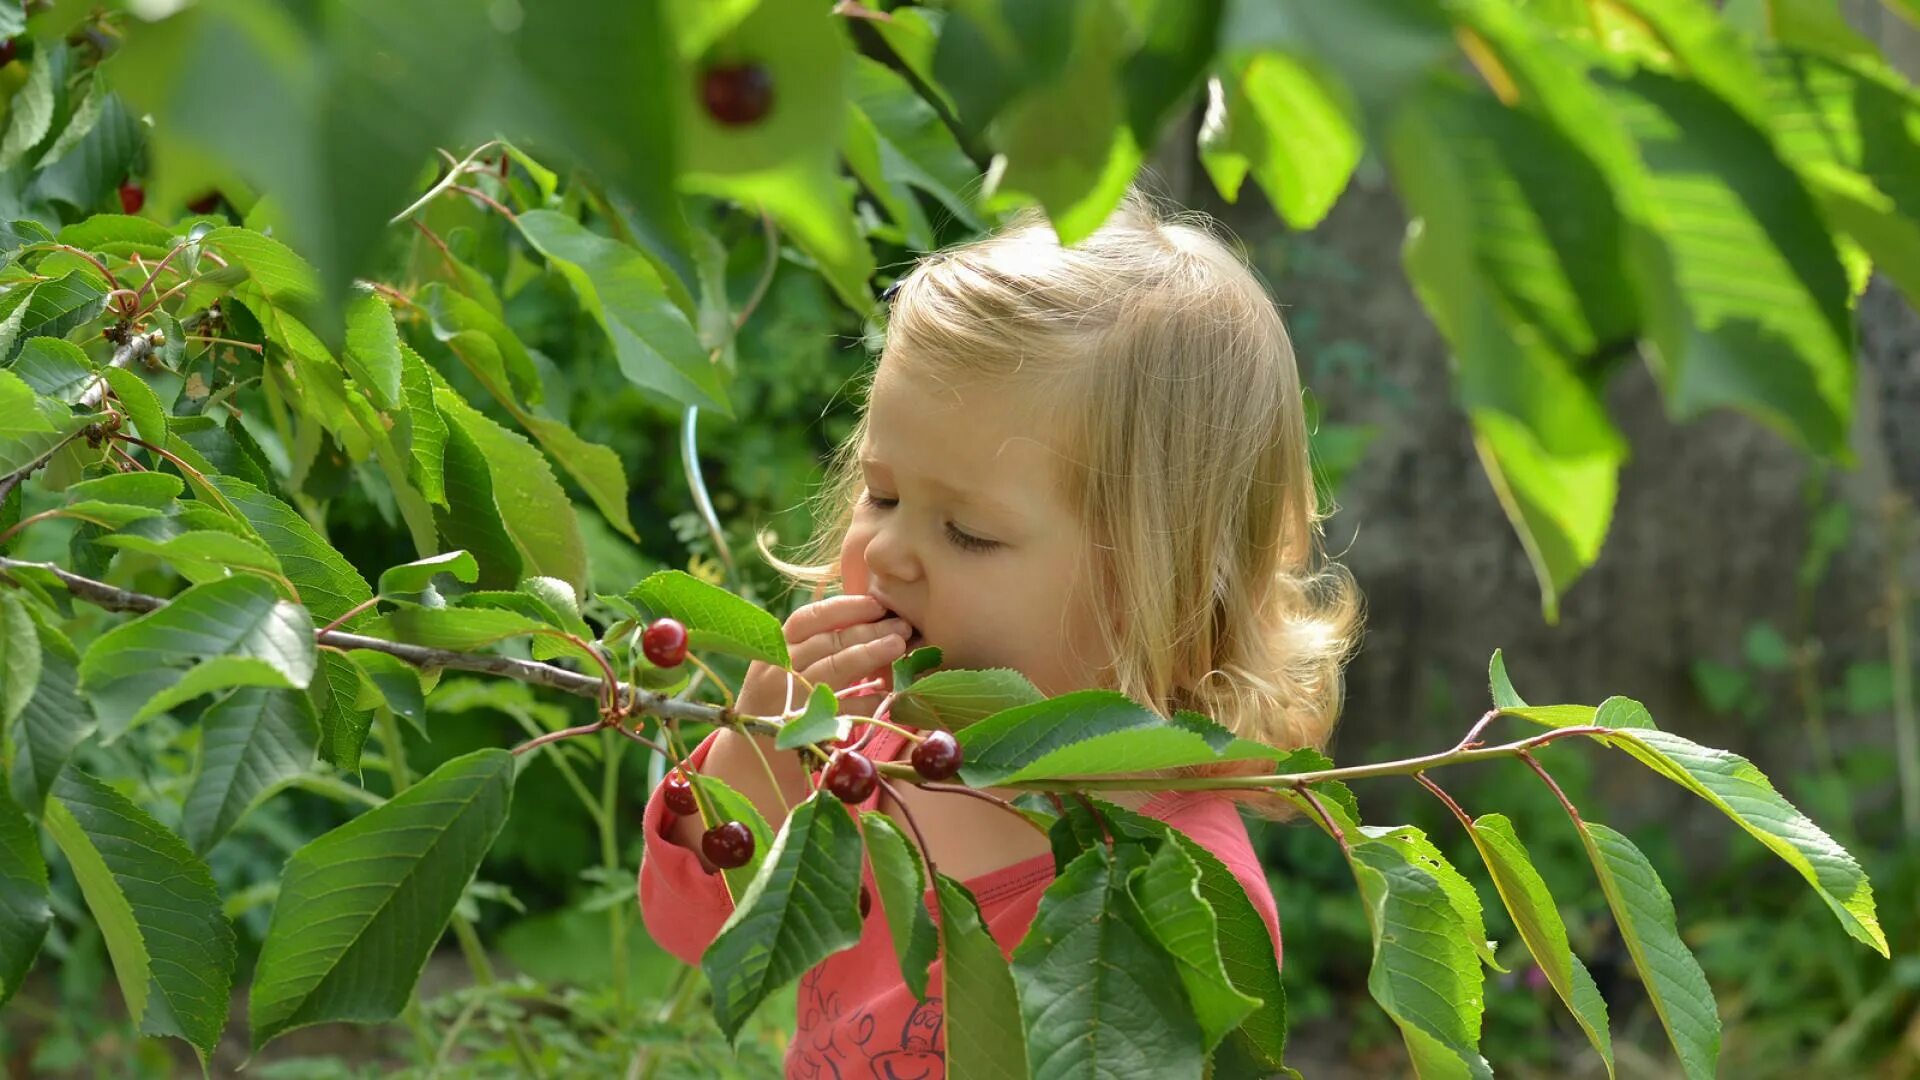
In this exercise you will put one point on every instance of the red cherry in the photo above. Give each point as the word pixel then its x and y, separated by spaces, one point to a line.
pixel 866 901
pixel 679 795
pixel 665 643
pixel 850 776
pixel 737 94
pixel 9 49
pixel 938 756
pixel 728 845
pixel 132 197
pixel 205 204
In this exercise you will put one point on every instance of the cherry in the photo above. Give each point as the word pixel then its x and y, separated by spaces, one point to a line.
pixel 665 643
pixel 132 197
pixel 728 845
pixel 9 49
pixel 866 901
pixel 938 756
pixel 205 204
pixel 737 94
pixel 679 795
pixel 850 776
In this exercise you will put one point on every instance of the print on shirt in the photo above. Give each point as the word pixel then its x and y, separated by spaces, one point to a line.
pixel 831 1044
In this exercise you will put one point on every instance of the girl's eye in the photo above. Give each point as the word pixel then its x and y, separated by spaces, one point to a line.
pixel 877 502
pixel 969 542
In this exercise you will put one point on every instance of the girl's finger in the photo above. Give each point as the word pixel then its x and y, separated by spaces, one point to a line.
pixel 822 645
pixel 831 614
pixel 849 666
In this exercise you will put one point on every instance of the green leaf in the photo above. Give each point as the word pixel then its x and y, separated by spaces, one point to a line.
pixel 236 632
pixel 543 616
pixel 392 682
pixel 155 489
pixel 202 555
pixel 56 368
pixel 986 1039
pixel 802 907
pixel 1090 732
pixel 343 723
pixel 119 234
pixel 895 142
pixel 1424 971
pixel 425 438
pixel 1537 918
pixel 1098 995
pixel 730 805
pixel 715 618
pixel 417 575
pixel 819 722
pixel 1307 759
pixel 19 657
pixel 106 515
pixel 329 585
pixel 458 629
pixel 653 343
pixel 284 278
pixel 903 889
pixel 957 699
pixel 54 721
pixel 1166 891
pixel 141 404
pixel 373 348
pixel 531 504
pixel 1763 322
pixel 1504 696
pixel 252 743
pixel 908 669
pixel 29 113
pixel 31 427
pixel 488 347
pixel 25 912
pixel 1742 792
pixel 156 905
pixel 1672 977
pixel 1459 891
pixel 55 309
pixel 1282 118
pixel 361 908
pixel 470 517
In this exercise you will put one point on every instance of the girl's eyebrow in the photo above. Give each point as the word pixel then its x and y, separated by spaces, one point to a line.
pixel 963 496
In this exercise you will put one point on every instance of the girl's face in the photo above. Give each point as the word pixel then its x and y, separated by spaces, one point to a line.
pixel 963 530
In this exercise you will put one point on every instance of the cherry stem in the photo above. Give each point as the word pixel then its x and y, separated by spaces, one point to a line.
pixel 485 198
pixel 962 789
pixel 347 615
pixel 556 736
pixel 725 690
pixel 1465 819
pixel 926 854
pixel 227 341
pixel 97 264
pixel 1098 817
pixel 1326 819
pixel 453 174
pixel 1547 778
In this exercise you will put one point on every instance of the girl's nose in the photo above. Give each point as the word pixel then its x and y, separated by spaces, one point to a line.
pixel 890 556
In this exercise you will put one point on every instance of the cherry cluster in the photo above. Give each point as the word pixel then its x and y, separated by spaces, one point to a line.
pixel 849 775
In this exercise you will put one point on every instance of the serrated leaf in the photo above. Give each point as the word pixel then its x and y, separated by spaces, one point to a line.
pixel 458 629
pixel 1537 918
pixel 392 682
pixel 25 913
pixel 654 344
pixel 802 907
pixel 561 600
pixel 957 699
pixel 119 234
pixel 155 489
pixel 1307 759
pixel 19 657
pixel 329 585
pixel 531 504
pixel 283 277
pixel 1742 792
pixel 1090 732
pixel 140 403
pixel 55 308
pixel 470 516
pixel 252 742
pixel 819 722
pixel 234 632
pixel 417 575
pixel 908 669
pixel 373 348
pixel 1424 972
pixel 425 440
pixel 715 618
pixel 985 1036
pixel 29 113
pixel 1282 118
pixel 1098 995
pixel 54 720
pixel 361 907
pixel 896 141
pixel 343 724
pixel 903 889
pixel 1672 977
pixel 156 905
pixel 1166 892
pixel 31 426
pixel 202 555
pixel 106 515
pixel 1459 891
pixel 56 368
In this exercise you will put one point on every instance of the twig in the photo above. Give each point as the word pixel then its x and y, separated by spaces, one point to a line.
pixel 446 181
pixel 90 257
pixel 926 854
pixel 1465 820
pixel 1326 819
pixel 1546 777
pixel 476 193
pixel 961 789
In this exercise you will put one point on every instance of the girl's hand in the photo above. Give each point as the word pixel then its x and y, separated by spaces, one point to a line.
pixel 838 641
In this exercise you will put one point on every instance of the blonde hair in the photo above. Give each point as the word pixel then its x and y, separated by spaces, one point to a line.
pixel 1181 419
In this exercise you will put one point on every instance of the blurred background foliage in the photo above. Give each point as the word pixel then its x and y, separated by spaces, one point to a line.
pixel 1748 592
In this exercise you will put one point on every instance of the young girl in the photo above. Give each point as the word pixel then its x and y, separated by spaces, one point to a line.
pixel 1088 464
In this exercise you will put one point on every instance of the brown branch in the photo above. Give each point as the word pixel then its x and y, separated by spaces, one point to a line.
pixel 1548 779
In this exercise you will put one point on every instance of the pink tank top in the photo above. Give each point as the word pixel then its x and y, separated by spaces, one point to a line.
pixel 856 1018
